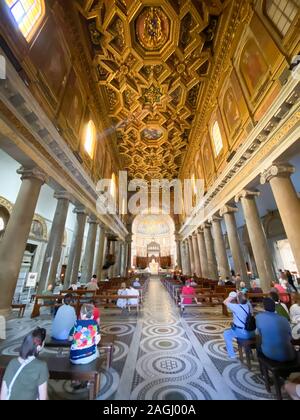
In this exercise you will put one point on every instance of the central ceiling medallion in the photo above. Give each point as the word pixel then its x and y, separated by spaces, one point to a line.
pixel 152 134
pixel 152 28
pixel 151 95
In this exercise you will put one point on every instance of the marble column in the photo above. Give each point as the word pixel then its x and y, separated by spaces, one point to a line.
pixel 178 252
pixel 76 248
pixel 257 238
pixel 198 269
pixel 100 252
pixel 210 250
pixel 288 203
pixel 117 268
pixel 129 243
pixel 202 253
pixel 14 241
pixel 220 247
pixel 234 242
pixel 191 253
pixel 89 252
pixel 56 238
pixel 112 251
pixel 187 256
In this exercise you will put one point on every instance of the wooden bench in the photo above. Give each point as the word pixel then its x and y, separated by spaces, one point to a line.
pixel 61 368
pixel 21 307
pixel 278 370
pixel 106 343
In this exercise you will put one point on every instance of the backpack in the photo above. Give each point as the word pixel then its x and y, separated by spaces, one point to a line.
pixel 250 323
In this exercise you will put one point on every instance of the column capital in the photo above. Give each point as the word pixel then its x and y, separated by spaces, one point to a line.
pixel 177 237
pixel 228 209
pixel 200 230
pixel 246 194
pixel 206 225
pixel 92 220
pixel 214 218
pixel 283 170
pixel 79 210
pixel 35 173
pixel 194 233
pixel 62 195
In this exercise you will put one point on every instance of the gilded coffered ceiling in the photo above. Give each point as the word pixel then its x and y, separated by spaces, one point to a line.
pixel 152 60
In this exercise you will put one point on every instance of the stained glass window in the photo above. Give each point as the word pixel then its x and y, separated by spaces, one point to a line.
pixel 27 14
pixel 282 13
pixel 217 138
pixel 90 139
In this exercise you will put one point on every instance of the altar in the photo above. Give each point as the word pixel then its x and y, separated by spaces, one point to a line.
pixel 154 267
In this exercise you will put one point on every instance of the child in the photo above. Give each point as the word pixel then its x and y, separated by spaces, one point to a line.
pixel 85 337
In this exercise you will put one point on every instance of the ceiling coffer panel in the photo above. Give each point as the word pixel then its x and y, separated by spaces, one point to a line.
pixel 152 61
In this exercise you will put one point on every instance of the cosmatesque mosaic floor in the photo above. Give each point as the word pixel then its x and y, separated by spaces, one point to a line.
pixel 159 355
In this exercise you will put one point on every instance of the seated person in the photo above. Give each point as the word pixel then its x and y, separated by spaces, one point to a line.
pixel 280 308
pixel 96 312
pixel 122 303
pixel 64 319
pixel 186 291
pixel 26 377
pixel 85 336
pixel 228 282
pixel 293 388
pixel 136 283
pixel 73 287
pixel 93 284
pixel 243 288
pixel 295 316
pixel 193 283
pixel 133 292
pixel 281 291
pixel 255 288
pixel 240 308
pixel 275 333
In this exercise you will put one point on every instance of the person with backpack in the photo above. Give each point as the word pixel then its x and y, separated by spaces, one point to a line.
pixel 26 377
pixel 243 325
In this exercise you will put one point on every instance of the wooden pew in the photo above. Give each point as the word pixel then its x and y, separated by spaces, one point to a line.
pixel 106 343
pixel 21 307
pixel 62 368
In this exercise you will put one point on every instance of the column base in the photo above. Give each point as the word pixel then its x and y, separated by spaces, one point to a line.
pixel 5 312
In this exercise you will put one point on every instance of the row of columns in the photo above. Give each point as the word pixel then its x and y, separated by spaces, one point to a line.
pixel 16 234
pixel 204 252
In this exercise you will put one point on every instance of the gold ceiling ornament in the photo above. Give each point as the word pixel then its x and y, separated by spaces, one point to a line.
pixel 152 28
pixel 152 67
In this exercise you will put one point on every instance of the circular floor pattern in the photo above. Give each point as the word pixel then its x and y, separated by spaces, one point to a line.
pixel 216 348
pixel 208 328
pixel 117 329
pixel 163 365
pixel 163 330
pixel 120 350
pixel 245 382
pixel 109 383
pixel 178 345
pixel 166 390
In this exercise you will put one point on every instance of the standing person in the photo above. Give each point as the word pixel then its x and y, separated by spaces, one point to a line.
pixel 278 288
pixel 188 290
pixel 26 377
pixel 282 276
pixel 241 309
pixel 275 332
pixel 85 337
pixel 64 319
pixel 295 316
pixel 290 280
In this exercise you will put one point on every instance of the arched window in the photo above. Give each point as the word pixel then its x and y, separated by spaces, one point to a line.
pixel 28 14
pixel 90 139
pixel 282 13
pixel 217 138
pixel 113 186
pixel 2 224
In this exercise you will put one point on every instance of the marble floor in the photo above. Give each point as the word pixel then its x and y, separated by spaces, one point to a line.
pixel 160 355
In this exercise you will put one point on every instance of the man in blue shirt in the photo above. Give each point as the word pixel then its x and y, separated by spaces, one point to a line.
pixel 275 332
pixel 64 320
